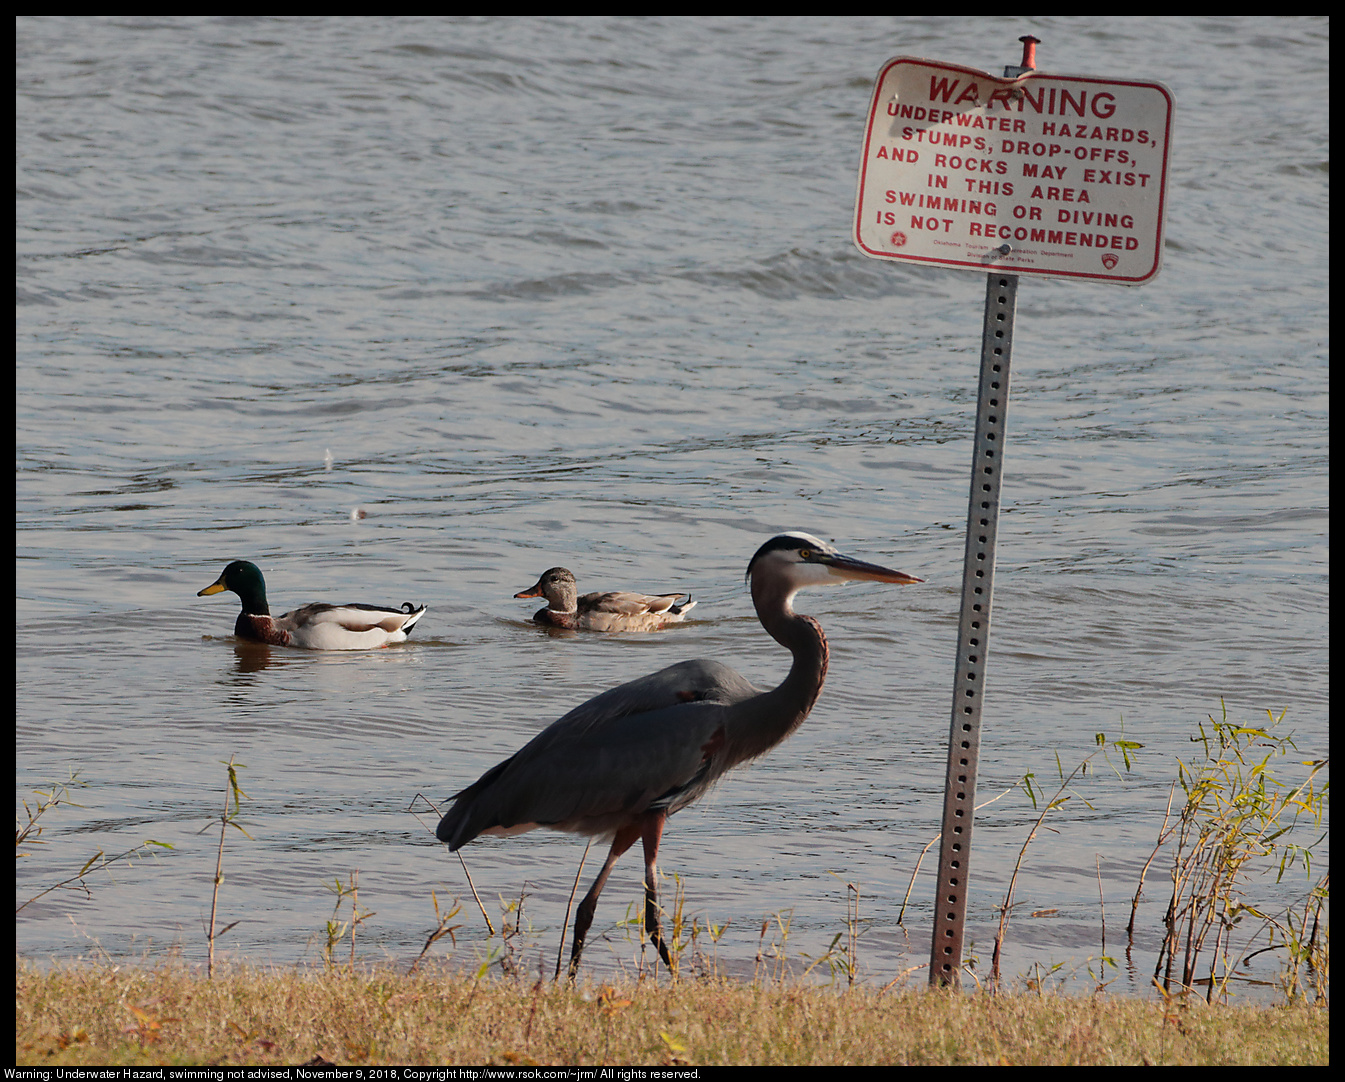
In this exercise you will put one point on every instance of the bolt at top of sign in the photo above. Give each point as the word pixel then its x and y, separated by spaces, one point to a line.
pixel 1068 171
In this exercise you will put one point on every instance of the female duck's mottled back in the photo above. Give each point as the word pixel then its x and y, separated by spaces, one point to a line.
pixel 611 611
pixel 312 627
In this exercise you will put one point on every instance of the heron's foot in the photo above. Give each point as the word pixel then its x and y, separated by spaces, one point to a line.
pixel 655 930
pixel 656 937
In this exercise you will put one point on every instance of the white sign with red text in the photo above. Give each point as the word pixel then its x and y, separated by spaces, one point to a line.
pixel 1068 171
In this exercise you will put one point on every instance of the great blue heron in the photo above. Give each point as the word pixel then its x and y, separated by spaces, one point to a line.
pixel 312 627
pixel 624 761
pixel 612 611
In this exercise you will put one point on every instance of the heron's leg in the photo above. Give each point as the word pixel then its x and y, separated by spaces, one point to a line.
pixel 652 835
pixel 625 838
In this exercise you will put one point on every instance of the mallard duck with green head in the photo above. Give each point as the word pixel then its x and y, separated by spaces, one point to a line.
pixel 312 627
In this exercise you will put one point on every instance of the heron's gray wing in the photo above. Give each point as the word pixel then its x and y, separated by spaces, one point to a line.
pixel 605 760
pixel 686 682
pixel 576 784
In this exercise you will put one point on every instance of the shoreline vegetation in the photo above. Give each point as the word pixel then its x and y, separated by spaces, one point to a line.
pixel 86 1014
pixel 1231 820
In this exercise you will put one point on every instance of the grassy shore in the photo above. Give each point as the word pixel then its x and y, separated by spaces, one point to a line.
pixel 96 1014
pixel 1230 817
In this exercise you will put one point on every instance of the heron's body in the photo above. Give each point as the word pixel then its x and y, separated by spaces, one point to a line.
pixel 666 736
pixel 614 610
pixel 311 627
pixel 621 763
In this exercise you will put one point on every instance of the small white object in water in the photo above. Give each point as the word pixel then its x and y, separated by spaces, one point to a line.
pixel 357 513
pixel 327 460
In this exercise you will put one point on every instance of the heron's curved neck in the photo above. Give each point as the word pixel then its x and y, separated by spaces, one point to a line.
pixel 783 709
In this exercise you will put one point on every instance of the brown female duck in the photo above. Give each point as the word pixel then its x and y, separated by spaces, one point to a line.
pixel 612 611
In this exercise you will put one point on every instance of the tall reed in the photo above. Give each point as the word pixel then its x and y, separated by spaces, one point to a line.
pixel 1234 824
pixel 227 819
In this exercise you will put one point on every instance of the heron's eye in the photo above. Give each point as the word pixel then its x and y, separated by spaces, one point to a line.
pixel 806 554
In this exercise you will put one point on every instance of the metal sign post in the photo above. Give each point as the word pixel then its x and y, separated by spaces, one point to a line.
pixel 1058 176
pixel 973 630
pixel 973 626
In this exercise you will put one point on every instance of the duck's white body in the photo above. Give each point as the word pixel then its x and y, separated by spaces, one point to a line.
pixel 332 627
pixel 311 627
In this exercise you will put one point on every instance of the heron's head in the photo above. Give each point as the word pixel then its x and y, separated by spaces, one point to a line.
pixel 794 560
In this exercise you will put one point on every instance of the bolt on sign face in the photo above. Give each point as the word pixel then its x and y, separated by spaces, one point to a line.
pixel 1057 175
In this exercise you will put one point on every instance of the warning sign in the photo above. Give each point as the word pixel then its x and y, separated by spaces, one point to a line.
pixel 1056 175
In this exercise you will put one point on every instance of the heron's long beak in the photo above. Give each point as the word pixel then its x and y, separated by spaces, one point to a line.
pixel 847 567
pixel 214 588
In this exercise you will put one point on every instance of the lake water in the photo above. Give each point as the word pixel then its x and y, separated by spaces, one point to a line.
pixel 410 310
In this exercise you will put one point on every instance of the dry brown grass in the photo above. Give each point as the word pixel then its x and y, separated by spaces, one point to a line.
pixel 94 1014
